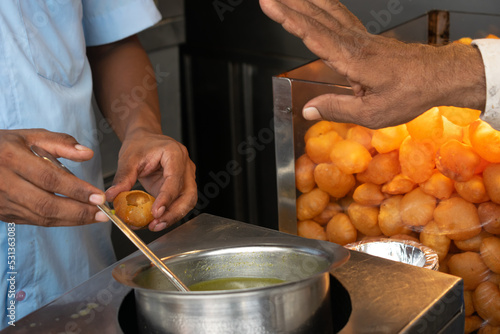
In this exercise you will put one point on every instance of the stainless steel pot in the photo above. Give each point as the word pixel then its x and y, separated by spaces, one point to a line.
pixel 299 305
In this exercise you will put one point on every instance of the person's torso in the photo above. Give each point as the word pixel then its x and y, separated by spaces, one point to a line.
pixel 45 82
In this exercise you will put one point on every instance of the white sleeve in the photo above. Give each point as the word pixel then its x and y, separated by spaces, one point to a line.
pixel 490 51
pixel 106 21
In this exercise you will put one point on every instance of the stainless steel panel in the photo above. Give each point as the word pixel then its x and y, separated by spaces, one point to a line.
pixel 291 91
pixel 379 295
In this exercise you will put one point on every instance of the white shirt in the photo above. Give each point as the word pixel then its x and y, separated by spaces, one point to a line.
pixel 45 82
pixel 490 52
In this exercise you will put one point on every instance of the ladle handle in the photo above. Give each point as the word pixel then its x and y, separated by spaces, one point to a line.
pixel 40 152
pixel 142 246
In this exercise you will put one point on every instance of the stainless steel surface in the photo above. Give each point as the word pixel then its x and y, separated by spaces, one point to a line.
pixel 278 308
pixel 386 295
pixel 291 91
pixel 40 152
pixel 375 295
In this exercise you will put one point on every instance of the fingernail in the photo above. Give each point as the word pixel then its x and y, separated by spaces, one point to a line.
pixel 101 217
pixel 97 199
pixel 82 148
pixel 311 113
pixel 160 226
pixel 160 211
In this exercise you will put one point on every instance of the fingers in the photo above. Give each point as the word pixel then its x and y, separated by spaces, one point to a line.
pixel 60 145
pixel 125 178
pixel 340 13
pixel 327 28
pixel 35 191
pixel 371 111
pixel 177 208
pixel 337 108
pixel 164 168
pixel 53 179
pixel 329 13
pixel 29 204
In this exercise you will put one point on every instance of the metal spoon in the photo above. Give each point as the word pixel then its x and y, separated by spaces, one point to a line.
pixel 40 152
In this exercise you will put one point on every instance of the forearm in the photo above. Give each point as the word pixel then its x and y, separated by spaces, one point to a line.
pixel 125 87
pixel 460 76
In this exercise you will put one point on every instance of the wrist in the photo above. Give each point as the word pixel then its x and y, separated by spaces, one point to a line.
pixel 140 122
pixel 461 80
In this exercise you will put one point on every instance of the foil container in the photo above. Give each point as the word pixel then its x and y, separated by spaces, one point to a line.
pixel 405 251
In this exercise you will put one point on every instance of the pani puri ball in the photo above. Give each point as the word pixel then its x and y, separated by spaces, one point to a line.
pixel 311 204
pixel 389 217
pixel 332 208
pixel 331 179
pixel 319 148
pixel 490 253
pixel 457 160
pixel 134 207
pixel 485 140
pixel 491 179
pixel 472 190
pixel 426 126
pixel 438 186
pixel 489 216
pixel 472 324
pixel 311 230
pixel 389 139
pixel 417 159
pixel 473 244
pixel 431 236
pixel 417 208
pixel 470 267
pixel 399 185
pixel 457 218
pixel 459 116
pixel 364 218
pixel 361 135
pixel 349 156
pixel 340 230
pixel 486 299
pixel 382 168
pixel 304 174
pixel 368 194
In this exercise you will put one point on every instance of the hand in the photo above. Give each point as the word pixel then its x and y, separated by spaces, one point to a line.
pixel 29 184
pixel 164 168
pixel 392 82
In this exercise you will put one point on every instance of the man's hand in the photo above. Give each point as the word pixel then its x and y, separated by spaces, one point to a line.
pixel 30 184
pixel 164 168
pixel 160 163
pixel 392 82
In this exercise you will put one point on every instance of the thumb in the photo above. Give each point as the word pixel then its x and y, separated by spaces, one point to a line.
pixel 124 180
pixel 333 107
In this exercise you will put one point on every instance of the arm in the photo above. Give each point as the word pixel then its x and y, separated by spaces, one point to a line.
pixel 393 82
pixel 125 90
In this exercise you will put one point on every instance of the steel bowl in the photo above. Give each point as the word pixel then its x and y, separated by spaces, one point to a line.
pixel 298 305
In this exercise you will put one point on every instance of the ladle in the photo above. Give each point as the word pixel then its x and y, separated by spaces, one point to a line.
pixel 40 152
